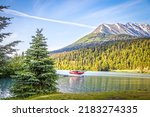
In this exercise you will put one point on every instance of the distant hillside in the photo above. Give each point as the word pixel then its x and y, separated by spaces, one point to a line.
pixel 132 54
pixel 94 40
pixel 107 33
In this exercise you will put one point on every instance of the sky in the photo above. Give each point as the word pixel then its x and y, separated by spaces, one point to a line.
pixel 66 21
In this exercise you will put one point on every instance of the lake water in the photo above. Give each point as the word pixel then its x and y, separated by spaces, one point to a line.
pixel 92 82
pixel 5 84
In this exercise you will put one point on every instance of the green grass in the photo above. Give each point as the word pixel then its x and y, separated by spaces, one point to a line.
pixel 121 95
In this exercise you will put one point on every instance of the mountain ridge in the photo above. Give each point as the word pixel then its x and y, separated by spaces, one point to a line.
pixel 133 29
pixel 107 33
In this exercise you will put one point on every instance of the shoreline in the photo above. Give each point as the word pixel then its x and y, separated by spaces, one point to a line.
pixel 130 71
pixel 119 71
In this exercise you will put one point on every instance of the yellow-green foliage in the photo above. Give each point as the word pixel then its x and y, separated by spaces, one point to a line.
pixel 128 54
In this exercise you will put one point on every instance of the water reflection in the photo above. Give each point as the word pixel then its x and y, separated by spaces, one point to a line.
pixel 92 82
pixel 101 84
pixel 75 81
pixel 5 84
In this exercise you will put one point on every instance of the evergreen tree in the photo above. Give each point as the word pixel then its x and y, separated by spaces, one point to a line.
pixel 7 48
pixel 120 55
pixel 38 75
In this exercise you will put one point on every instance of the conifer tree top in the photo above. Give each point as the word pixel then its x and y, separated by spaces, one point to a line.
pixel 38 48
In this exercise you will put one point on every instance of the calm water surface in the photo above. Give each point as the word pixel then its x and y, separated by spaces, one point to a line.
pixel 103 81
pixel 92 82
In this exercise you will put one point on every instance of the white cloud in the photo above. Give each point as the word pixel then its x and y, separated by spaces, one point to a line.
pixel 21 14
pixel 118 8
pixel 109 13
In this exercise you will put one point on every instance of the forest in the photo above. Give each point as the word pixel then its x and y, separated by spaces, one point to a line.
pixel 119 55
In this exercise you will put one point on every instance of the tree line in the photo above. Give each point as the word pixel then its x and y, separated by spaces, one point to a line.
pixel 124 54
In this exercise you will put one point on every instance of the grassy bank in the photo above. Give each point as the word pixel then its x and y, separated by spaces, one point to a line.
pixel 124 95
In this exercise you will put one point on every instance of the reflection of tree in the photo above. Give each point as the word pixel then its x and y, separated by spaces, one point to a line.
pixel 76 82
pixel 103 83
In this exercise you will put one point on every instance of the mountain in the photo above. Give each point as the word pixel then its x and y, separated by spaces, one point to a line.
pixel 134 29
pixel 108 33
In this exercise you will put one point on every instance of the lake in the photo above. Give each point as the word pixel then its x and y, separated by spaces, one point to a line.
pixel 92 82
pixel 5 84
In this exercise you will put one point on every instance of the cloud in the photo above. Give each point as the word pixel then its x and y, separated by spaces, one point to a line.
pixel 118 8
pixel 21 14
pixel 113 11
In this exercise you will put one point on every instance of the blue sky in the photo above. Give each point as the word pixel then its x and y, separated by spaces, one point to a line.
pixel 65 21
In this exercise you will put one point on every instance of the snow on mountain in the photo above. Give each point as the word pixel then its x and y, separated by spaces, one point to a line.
pixel 109 33
pixel 134 29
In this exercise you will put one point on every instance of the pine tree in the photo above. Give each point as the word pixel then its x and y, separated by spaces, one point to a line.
pixel 38 75
pixel 8 48
pixel 119 55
